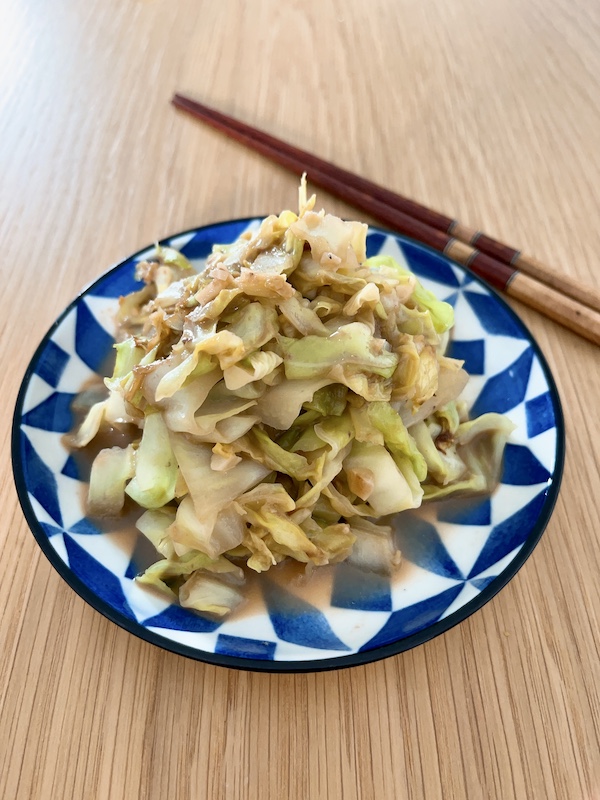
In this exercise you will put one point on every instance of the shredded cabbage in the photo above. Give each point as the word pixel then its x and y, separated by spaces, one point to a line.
pixel 286 400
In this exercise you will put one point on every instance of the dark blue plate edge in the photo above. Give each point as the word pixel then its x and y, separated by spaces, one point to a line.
pixel 258 665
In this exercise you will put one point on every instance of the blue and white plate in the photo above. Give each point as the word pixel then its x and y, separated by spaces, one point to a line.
pixel 457 554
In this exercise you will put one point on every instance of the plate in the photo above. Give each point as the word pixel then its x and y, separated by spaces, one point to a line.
pixel 456 554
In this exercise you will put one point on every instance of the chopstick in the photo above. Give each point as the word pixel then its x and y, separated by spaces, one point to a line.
pixel 560 298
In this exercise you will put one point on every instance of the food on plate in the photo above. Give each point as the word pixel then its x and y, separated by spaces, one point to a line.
pixel 280 405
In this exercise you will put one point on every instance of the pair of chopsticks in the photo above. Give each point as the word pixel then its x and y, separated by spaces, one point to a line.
pixel 562 299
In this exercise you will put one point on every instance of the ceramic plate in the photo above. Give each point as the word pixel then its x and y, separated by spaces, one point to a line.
pixel 457 554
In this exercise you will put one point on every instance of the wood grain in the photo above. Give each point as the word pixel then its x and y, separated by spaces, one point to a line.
pixel 486 111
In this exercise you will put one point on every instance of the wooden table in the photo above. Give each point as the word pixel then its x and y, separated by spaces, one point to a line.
pixel 486 111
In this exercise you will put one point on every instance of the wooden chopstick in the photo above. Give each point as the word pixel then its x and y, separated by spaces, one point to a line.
pixel 485 244
pixel 562 299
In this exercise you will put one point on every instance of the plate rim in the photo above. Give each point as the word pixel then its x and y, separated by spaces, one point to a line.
pixel 361 657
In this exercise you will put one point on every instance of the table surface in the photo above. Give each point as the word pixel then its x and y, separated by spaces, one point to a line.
pixel 485 111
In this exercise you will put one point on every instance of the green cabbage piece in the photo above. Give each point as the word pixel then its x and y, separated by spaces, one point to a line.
pixel 372 388
pixel 330 401
pixel 397 438
pixel 417 322
pixel 342 503
pixel 271 496
pixel 487 424
pixel 475 483
pixel 337 433
pixel 328 234
pixel 335 541
pixel 217 307
pixel 155 527
pixel 196 363
pixel 253 368
pixel 302 317
pixel 153 484
pixel 220 530
pixel 308 441
pixel 261 558
pixel 452 379
pixel 449 417
pixel 264 450
pixel 255 324
pixel 444 467
pixel 210 595
pixel 172 258
pixel 111 470
pixel 352 345
pixel 374 547
pixel 166 575
pixel 480 444
pixel 442 314
pixel 209 492
pixel 179 411
pixel 280 405
pixel 289 538
pixel 184 565
pixel 392 491
pixel 90 426
pixel 129 355
pixel 364 429
pixel 217 408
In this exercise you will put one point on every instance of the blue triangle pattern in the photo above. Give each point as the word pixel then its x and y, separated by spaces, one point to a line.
pixel 471 352
pixel 71 469
pixel 40 481
pixel 493 317
pixel 85 527
pixel 409 620
pixel 245 648
pixel 420 543
pixel 50 530
pixel 92 342
pixel 201 244
pixel 427 264
pixel 509 534
pixel 119 282
pixel 483 583
pixel 52 363
pixel 360 590
pixel 181 619
pixel 297 621
pixel 540 415
pixel 451 299
pixel 53 414
pixel 466 512
pixel 521 467
pixel 375 242
pixel 132 570
pixel 97 578
pixel 504 391
pixel 144 555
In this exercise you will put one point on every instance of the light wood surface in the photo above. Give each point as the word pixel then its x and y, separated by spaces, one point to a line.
pixel 489 112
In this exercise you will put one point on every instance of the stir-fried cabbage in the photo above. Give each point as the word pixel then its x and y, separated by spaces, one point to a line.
pixel 287 400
